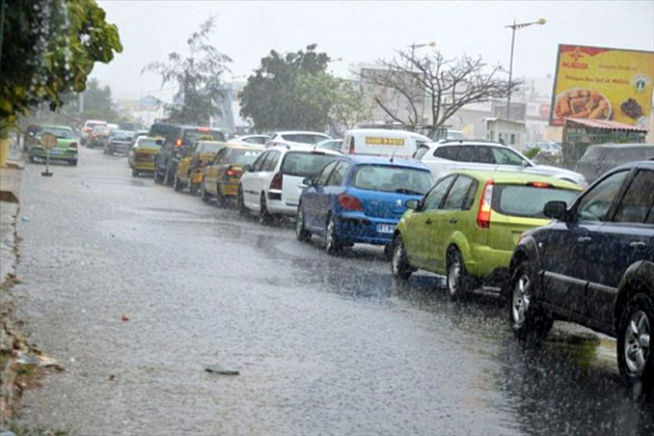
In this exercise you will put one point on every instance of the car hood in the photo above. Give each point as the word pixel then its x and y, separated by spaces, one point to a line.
pixel 560 173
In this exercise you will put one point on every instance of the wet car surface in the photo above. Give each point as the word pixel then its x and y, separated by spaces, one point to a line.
pixel 324 345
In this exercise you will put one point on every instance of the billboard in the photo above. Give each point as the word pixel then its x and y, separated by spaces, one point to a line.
pixel 602 84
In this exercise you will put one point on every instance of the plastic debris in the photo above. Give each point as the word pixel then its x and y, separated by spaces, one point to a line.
pixel 125 318
pixel 39 360
pixel 222 370
pixel 25 219
pixel 112 377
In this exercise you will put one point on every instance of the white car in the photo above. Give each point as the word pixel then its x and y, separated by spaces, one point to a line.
pixel 296 137
pixel 272 185
pixel 250 139
pixel 446 156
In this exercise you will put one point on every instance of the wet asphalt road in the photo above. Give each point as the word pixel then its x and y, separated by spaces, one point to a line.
pixel 325 345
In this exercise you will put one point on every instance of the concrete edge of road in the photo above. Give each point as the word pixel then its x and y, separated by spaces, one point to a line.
pixel 12 341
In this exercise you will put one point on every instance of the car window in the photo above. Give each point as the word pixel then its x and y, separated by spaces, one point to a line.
pixel 595 204
pixel 321 180
pixel 435 196
pixel 638 199
pixel 339 174
pixel 459 194
pixel 449 153
pixel 528 201
pixel 256 166
pixel 421 151
pixel 506 156
pixel 271 161
pixel 219 155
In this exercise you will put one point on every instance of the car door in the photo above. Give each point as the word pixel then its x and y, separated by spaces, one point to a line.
pixel 624 239
pixel 311 198
pixel 211 172
pixel 419 228
pixel 249 182
pixel 267 172
pixel 568 248
pixel 334 187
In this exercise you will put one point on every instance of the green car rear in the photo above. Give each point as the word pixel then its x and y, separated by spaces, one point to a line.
pixel 468 225
pixel 65 150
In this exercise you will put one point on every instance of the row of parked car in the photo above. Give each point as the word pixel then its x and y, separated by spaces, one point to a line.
pixel 478 213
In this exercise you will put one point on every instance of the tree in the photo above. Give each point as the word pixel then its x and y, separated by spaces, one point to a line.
pixel 49 49
pixel 350 106
pixel 197 75
pixel 98 103
pixel 434 84
pixel 291 91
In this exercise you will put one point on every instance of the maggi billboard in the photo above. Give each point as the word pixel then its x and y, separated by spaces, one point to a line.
pixel 602 84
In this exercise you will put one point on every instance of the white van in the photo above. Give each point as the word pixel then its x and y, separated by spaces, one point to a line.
pixel 383 142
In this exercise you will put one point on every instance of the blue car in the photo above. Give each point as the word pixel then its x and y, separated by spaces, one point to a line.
pixel 594 265
pixel 359 199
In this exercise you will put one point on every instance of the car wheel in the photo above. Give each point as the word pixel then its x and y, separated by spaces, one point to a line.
pixel 529 322
pixel 220 198
pixel 73 162
pixel 240 201
pixel 399 263
pixel 332 244
pixel 31 159
pixel 157 177
pixel 459 283
pixel 134 172
pixel 388 251
pixel 265 218
pixel 635 358
pixel 301 233
pixel 204 195
pixel 177 185
pixel 193 189
pixel 169 177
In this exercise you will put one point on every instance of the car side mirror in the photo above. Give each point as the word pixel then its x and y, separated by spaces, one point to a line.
pixel 247 168
pixel 308 181
pixel 557 210
pixel 412 204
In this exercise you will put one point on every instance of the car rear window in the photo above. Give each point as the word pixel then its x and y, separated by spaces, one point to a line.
pixel 304 164
pixel 147 142
pixel 527 201
pixel 392 179
pixel 241 157
pixel 305 138
pixel 192 135
pixel 58 132
pixel 210 147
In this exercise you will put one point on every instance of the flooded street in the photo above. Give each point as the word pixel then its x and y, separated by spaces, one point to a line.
pixel 136 288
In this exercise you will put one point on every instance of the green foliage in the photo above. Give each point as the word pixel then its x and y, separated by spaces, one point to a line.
pixel 350 106
pixel 98 104
pixel 291 91
pixel 532 152
pixel 49 49
pixel 198 77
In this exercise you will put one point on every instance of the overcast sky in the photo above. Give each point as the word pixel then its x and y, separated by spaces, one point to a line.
pixel 364 31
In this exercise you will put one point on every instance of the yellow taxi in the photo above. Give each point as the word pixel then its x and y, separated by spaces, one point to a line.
pixel 220 178
pixel 189 169
pixel 142 154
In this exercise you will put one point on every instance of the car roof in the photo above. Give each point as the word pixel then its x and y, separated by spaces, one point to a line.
pixel 387 132
pixel 302 148
pixel 468 142
pixel 363 159
pixel 245 146
pixel 54 126
pixel 509 177
pixel 301 132
pixel 649 164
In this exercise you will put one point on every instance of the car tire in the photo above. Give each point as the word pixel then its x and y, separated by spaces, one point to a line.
pixel 193 189
pixel 157 177
pixel 73 162
pixel 177 185
pixel 265 218
pixel 635 357
pixel 240 201
pixel 529 322
pixel 169 177
pixel 204 195
pixel 459 283
pixel 220 198
pixel 332 245
pixel 134 173
pixel 301 233
pixel 31 159
pixel 399 262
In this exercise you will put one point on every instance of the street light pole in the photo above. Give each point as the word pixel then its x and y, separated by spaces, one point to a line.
pixel 513 28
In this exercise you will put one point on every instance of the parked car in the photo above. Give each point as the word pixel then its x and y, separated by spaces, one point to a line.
pixel 189 170
pixel 250 139
pixel 359 199
pixel 119 142
pixel 88 127
pixel 143 153
pixel 594 265
pixel 220 178
pixel 296 138
pixel 330 144
pixel 271 186
pixel 468 224
pixel 177 141
pixel 383 142
pixel 447 156
pixel 65 150
pixel 598 159
pixel 98 136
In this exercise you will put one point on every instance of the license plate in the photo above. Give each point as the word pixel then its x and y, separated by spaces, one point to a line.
pixel 56 152
pixel 385 228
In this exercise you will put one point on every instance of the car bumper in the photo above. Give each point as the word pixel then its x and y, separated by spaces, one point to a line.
pixel 144 166
pixel 118 148
pixel 54 154
pixel 485 261
pixel 358 227
pixel 229 189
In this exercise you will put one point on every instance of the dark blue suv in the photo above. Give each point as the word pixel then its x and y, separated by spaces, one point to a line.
pixel 594 265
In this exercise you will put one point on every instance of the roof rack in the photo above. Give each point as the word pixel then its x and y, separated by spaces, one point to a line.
pixel 461 141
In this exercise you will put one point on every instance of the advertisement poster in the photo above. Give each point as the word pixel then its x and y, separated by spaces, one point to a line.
pixel 603 84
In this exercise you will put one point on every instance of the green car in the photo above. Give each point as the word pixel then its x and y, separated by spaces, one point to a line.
pixel 65 150
pixel 468 224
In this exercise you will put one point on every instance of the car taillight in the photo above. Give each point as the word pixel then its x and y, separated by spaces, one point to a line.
pixel 276 182
pixel 539 185
pixel 86 129
pixel 201 164
pixel 230 172
pixel 73 145
pixel 484 214
pixel 348 202
pixel 178 143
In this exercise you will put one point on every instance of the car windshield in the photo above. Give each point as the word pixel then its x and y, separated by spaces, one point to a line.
pixel 241 156
pixel 527 201
pixel 59 132
pixel 305 138
pixel 147 142
pixel 122 135
pixel 392 179
pixel 193 135
pixel 331 144
pixel 506 156
pixel 210 147
pixel 304 164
